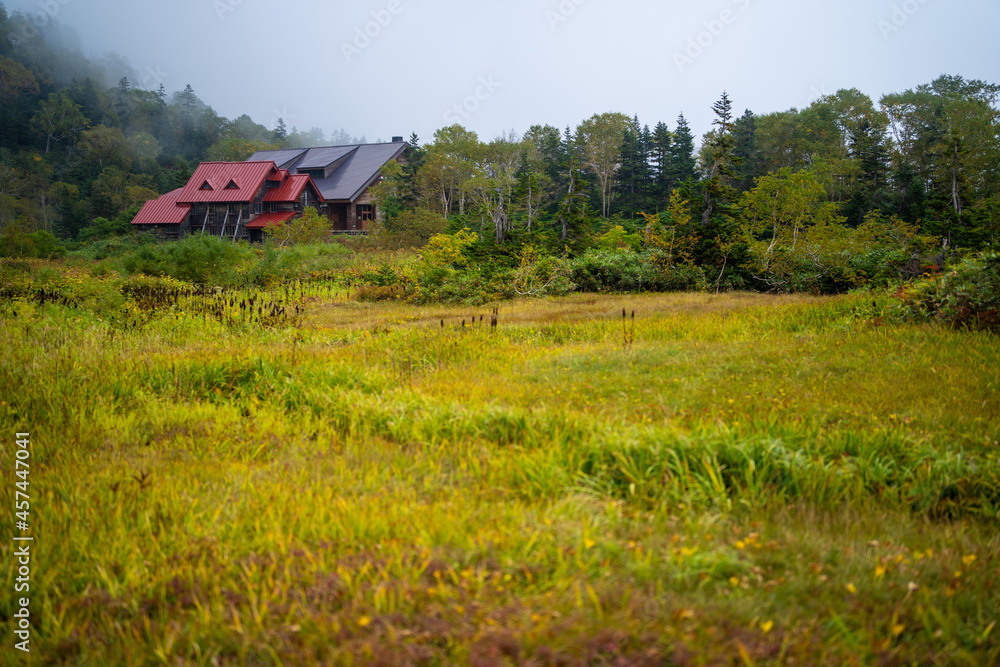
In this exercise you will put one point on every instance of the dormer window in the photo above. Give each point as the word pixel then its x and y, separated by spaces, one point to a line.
pixel 232 186
pixel 206 186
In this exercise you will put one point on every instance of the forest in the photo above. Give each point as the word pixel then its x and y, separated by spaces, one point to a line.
pixel 846 192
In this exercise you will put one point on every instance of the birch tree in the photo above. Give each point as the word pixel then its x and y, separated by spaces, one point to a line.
pixel 599 147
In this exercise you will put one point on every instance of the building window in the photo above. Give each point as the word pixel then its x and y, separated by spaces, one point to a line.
pixel 366 212
pixel 232 186
pixel 258 208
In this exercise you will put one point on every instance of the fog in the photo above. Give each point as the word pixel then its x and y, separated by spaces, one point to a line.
pixel 392 67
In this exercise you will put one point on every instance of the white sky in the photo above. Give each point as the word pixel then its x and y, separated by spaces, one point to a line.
pixel 530 61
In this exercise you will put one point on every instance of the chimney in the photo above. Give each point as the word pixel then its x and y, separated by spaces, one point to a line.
pixel 397 140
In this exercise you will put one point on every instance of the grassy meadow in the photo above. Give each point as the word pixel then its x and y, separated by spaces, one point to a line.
pixel 731 479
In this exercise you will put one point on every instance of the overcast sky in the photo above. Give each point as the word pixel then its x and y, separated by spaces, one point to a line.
pixel 380 68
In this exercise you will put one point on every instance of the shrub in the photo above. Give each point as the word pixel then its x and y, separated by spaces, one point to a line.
pixel 410 229
pixel 540 275
pixel 47 246
pixel 627 271
pixel 617 238
pixel 102 228
pixel 273 265
pixel 968 296
pixel 195 259
pixel 41 244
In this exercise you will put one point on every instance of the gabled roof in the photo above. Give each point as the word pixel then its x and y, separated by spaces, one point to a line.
pixel 359 169
pixel 163 211
pixel 282 158
pixel 321 158
pixel 248 176
pixel 291 189
pixel 269 219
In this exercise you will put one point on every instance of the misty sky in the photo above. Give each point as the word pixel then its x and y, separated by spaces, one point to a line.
pixel 496 66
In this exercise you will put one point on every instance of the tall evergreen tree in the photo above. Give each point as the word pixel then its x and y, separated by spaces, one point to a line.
pixel 633 177
pixel 681 163
pixel 414 159
pixel 280 132
pixel 660 144
pixel 123 102
pixel 749 163
pixel 85 95
pixel 720 161
pixel 571 219
pixel 869 150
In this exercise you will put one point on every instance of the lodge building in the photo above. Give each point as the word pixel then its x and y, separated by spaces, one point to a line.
pixel 238 200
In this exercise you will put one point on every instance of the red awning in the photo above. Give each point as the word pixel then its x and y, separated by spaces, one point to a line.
pixel 268 219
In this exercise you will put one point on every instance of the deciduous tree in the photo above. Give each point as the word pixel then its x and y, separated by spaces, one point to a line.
pixel 58 117
pixel 310 227
pixel 599 148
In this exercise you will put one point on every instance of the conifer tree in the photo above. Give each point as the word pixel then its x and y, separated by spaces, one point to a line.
pixel 681 161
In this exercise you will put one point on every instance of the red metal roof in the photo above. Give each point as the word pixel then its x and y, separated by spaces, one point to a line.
pixel 268 219
pixel 291 189
pixel 248 176
pixel 163 211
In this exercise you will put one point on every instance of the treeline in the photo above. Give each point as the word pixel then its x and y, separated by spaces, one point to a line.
pixel 821 198
pixel 83 143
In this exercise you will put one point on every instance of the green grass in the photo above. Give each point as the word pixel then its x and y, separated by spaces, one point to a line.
pixel 750 480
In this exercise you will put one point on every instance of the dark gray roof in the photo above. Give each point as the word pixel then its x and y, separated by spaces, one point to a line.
pixel 282 158
pixel 350 179
pixel 358 172
pixel 321 158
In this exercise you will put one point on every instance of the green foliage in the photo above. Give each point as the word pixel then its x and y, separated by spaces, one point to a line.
pixel 473 286
pixel 275 265
pixel 102 228
pixel 541 275
pixel 617 238
pixel 42 244
pixel 411 228
pixel 967 296
pixel 46 245
pixel 310 227
pixel 58 117
pixel 204 260
pixel 448 250
pixel 237 149
pixel 628 271
pixel 391 190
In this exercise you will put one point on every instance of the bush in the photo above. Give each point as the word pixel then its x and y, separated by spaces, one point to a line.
pixel 968 296
pixel 47 246
pixel 627 271
pixel 102 228
pixel 617 238
pixel 41 244
pixel 541 275
pixel 410 229
pixel 207 260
